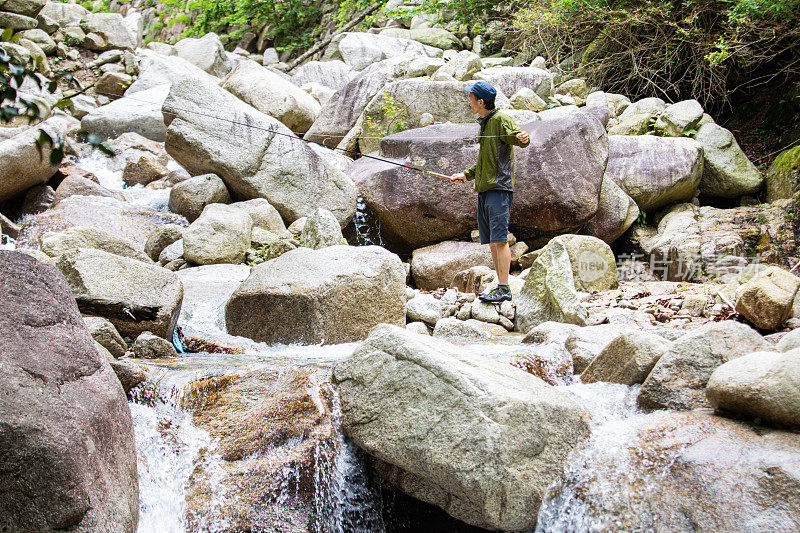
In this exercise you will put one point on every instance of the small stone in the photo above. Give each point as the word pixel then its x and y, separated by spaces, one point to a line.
pixel 418 327
pixel 465 312
pixel 425 119
pixel 143 171
pixel 508 310
pixel 693 304
pixel 149 346
pixel 485 312
pixel 506 323
pixel 95 42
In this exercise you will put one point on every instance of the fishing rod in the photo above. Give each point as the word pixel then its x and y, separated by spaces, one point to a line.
pixel 291 136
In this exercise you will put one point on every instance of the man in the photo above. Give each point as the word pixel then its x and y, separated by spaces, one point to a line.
pixel 494 181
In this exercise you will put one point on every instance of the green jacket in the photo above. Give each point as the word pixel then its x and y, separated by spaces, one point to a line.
pixel 494 168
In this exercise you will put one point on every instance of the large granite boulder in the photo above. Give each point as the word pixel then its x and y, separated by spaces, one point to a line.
pixel 134 296
pixel 767 299
pixel 64 14
pixel 111 26
pixel 594 266
pixel 512 79
pixel 23 163
pixel 436 37
pixel 679 472
pixel 628 359
pixel 761 385
pixel 57 243
pixel 221 234
pixel 360 50
pixel 140 114
pixel 273 95
pixel 332 295
pixel 334 74
pixel 679 378
pixel 156 69
pixel 476 437
pixel 727 171
pixel 615 214
pixel 189 197
pixel 206 53
pixel 655 171
pixel 680 118
pixel 108 214
pixel 557 180
pixel 783 176
pixel 75 185
pixel 253 161
pixel 549 292
pixel 435 266
pixel 66 433
pixel 27 8
pixel 321 230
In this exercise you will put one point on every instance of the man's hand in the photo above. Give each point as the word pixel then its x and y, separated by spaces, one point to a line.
pixel 458 178
pixel 523 136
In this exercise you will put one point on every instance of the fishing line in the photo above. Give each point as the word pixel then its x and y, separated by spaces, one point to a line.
pixel 172 110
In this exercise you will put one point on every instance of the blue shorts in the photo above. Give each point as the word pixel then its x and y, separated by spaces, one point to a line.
pixel 494 212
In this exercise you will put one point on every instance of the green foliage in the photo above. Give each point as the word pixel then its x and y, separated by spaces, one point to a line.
pixel 642 220
pixel 459 10
pixel 390 118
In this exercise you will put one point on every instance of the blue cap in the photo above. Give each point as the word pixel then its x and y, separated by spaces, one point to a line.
pixel 483 91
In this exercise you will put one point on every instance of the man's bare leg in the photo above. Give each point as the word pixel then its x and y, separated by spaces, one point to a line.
pixel 501 256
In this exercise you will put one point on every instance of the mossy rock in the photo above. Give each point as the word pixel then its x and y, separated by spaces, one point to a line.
pixel 784 175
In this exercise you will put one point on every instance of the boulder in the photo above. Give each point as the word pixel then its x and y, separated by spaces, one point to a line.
pixel 253 161
pixel 616 212
pixel 171 252
pixel 512 79
pixel 134 296
pixel 332 295
pixel 67 440
pixel 433 267
pixel 783 175
pixel 64 14
pixel 16 22
pixel 461 66
pixel 549 292
pixel 76 185
pixel 320 93
pixel 679 472
pixel 727 172
pixel 418 441
pixel 128 373
pixel 28 8
pixel 649 106
pixel 594 266
pixel 333 74
pixel 58 243
pixel 457 330
pixel 190 197
pixel 584 344
pixel 221 234
pixel 424 308
pixel 767 299
pixel 635 125
pixel 106 335
pixel 679 378
pixel 206 53
pixel 360 50
pixel 111 26
pixel 418 327
pixel 436 37
pixel 156 69
pixel 761 385
pixel 399 106
pixel 38 199
pixel 272 95
pixel 149 346
pixel 23 163
pixel 113 84
pixel 108 214
pixel 558 179
pixel 140 114
pixel 262 214
pixel 41 38
pixel 143 171
pixel 679 119
pixel 628 359
pixel 655 171
pixel 527 99
pixel 321 230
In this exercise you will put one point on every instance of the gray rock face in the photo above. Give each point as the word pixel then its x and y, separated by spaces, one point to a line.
pixel 156 69
pixel 332 295
pixel 512 79
pixel 111 26
pixel 677 119
pixel 454 329
pixel 649 106
pixel 41 38
pixel 584 344
pixel 482 443
pixel 272 95
pixel 21 164
pixel 220 235
pixel 106 335
pixel 628 359
pixel 616 212
pixel 68 451
pixel 107 214
pixel 436 37
pixel 16 22
pixel 360 50
pixel 322 230
pixel 681 472
pixel 253 162
pixel 57 243
pixel 760 384
pixel 727 171
pixel 190 197
pixel 594 267
pixel 424 308
pixel 655 171
pixel 767 299
pixel 149 346
pixel 28 8
pixel 141 115
pixel 206 53
pixel 679 378
pixel 333 74
pixel 557 180
pixel 108 283
pixel 64 14
pixel 74 185
pixel 262 214
pixel 435 266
